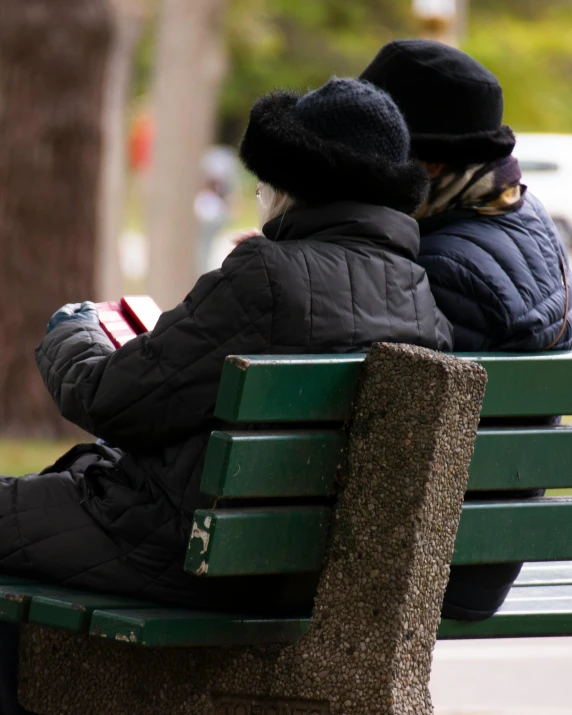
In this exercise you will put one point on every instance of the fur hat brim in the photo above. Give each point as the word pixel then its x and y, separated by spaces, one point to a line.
pixel 476 148
pixel 280 151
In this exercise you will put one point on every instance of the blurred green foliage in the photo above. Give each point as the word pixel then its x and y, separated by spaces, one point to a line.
pixel 301 43
pixel 19 457
pixel 532 57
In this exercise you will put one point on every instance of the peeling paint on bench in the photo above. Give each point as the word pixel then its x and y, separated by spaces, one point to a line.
pixel 202 534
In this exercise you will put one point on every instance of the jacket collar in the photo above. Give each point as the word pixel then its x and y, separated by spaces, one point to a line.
pixel 442 220
pixel 347 219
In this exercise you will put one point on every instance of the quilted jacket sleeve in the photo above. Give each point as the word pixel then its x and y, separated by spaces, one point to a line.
pixel 158 388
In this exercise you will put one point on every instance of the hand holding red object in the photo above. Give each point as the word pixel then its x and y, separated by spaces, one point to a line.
pixel 130 317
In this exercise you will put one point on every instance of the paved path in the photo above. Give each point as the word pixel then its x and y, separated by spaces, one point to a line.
pixel 503 677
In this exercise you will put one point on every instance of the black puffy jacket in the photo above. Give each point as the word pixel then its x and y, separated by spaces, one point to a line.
pixel 330 280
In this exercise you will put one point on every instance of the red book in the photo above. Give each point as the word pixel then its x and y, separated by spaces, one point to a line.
pixel 133 315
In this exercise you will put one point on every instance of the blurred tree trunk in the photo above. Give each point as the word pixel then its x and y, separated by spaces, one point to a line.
pixel 190 67
pixel 52 67
pixel 128 17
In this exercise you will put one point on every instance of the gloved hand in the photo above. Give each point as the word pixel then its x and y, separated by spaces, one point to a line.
pixel 74 311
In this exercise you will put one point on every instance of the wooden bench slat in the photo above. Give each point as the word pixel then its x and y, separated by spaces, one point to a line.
pixel 275 464
pixel 527 530
pixel 290 388
pixel 527 611
pixel 520 384
pixel 310 388
pixel 179 627
pixel 15 599
pixel 230 542
pixel 509 625
pixel 530 458
pixel 72 611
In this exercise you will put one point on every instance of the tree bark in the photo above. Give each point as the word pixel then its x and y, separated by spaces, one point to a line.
pixel 189 69
pixel 52 67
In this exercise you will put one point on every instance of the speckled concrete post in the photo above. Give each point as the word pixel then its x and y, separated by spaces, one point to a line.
pixel 377 611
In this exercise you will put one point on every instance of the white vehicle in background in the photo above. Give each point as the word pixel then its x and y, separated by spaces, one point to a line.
pixel 546 163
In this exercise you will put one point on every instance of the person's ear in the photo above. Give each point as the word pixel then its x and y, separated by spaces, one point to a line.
pixel 434 169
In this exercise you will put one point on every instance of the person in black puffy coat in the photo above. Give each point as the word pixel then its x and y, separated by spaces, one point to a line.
pixel 334 270
pixel 496 264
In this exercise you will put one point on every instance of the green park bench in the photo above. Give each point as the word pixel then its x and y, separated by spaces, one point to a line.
pixel 281 437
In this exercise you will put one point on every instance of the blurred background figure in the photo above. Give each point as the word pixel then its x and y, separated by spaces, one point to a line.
pixel 212 214
pixel 140 143
pixel 214 202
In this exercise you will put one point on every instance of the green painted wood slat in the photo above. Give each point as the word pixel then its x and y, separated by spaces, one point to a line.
pixel 178 627
pixel 15 599
pixel 509 625
pixel 521 384
pixel 310 388
pixel 527 611
pixel 229 542
pixel 297 463
pixel 276 464
pixel 527 458
pixel 527 530
pixel 288 388
pixel 72 611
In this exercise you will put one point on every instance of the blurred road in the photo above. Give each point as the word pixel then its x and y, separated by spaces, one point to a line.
pixel 503 677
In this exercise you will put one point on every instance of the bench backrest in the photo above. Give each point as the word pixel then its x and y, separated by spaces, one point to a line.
pixel 285 437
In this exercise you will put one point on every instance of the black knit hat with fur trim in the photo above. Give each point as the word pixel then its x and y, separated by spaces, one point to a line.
pixel 452 104
pixel 346 141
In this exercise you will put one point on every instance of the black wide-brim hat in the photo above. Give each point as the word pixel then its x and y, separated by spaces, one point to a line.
pixel 452 104
pixel 323 165
pixel 469 148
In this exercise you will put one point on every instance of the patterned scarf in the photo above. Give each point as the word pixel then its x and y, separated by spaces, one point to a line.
pixel 489 189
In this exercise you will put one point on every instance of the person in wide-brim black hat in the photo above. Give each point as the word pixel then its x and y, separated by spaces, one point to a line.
pixel 453 105
pixel 497 267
